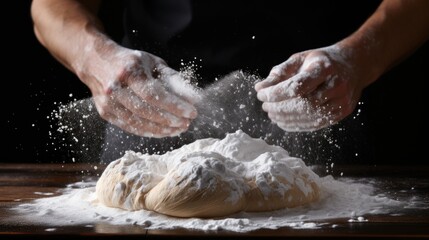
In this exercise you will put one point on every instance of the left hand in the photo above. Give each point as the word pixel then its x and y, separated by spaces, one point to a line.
pixel 311 90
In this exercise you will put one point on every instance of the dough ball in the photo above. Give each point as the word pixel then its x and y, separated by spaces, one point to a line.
pixel 209 178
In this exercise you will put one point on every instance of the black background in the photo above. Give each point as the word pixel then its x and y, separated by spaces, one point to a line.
pixel 391 127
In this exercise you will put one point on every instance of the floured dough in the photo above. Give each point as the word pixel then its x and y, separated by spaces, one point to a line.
pixel 209 178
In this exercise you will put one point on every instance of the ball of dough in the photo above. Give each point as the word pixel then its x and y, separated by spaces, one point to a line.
pixel 209 178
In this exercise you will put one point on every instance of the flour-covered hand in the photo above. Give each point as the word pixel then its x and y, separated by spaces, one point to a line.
pixel 136 91
pixel 311 90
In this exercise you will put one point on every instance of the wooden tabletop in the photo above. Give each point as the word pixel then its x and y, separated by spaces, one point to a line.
pixel 21 182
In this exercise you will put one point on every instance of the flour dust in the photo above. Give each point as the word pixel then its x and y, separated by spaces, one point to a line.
pixel 226 105
pixel 77 129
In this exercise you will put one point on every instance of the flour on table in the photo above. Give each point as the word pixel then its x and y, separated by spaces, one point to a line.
pixel 209 178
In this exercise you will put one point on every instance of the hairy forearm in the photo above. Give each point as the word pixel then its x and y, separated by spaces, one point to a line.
pixel 395 30
pixel 66 28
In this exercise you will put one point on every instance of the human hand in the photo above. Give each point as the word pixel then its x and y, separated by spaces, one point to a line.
pixel 138 92
pixel 311 90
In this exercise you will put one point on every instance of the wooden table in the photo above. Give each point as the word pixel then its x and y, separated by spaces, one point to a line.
pixel 21 181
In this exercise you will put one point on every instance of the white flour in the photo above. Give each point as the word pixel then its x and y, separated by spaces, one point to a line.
pixel 78 202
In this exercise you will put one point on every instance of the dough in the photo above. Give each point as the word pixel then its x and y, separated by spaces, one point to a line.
pixel 209 178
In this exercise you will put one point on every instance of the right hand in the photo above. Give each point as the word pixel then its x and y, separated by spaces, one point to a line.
pixel 136 91
pixel 312 89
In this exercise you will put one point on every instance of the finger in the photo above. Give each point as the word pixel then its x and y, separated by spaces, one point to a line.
pixel 295 87
pixel 331 112
pixel 280 72
pixel 144 110
pixel 290 118
pixel 144 128
pixel 303 115
pixel 295 106
pixel 299 85
pixel 281 91
pixel 305 121
pixel 154 92
pixel 296 114
pixel 134 124
pixel 304 127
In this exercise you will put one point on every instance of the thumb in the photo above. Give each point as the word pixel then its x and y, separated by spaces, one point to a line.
pixel 281 72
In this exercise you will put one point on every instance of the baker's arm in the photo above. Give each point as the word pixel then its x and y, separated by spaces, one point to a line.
pixel 319 87
pixel 128 86
pixel 65 27
pixel 393 32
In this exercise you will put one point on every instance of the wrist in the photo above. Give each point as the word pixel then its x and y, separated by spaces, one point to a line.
pixel 360 52
pixel 93 53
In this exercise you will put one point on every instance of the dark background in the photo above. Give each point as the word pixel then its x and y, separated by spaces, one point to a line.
pixel 390 128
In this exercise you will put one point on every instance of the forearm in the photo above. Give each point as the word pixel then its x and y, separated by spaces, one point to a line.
pixel 395 30
pixel 67 28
